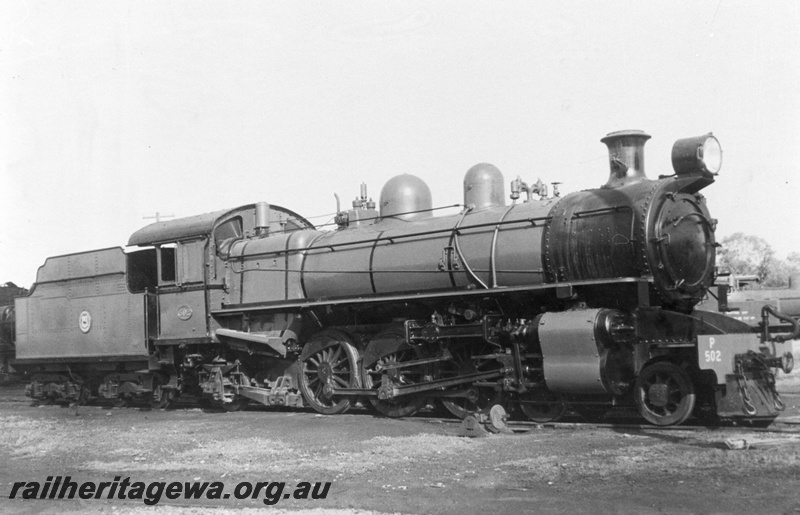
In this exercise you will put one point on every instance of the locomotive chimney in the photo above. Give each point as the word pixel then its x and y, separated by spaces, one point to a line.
pixel 626 157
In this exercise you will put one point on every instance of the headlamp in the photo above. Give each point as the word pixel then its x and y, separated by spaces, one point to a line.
pixel 701 154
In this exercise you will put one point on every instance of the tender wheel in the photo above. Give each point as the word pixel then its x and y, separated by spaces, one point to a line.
pixel 393 340
pixel 664 394
pixel 542 406
pixel 462 364
pixel 334 365
pixel 161 396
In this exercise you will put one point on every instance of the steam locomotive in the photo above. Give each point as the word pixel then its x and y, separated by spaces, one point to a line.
pixel 583 300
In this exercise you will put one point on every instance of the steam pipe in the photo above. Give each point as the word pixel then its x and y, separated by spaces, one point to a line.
pixel 461 255
pixel 493 255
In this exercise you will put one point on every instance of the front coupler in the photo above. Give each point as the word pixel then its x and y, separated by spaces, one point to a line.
pixel 743 365
pixel 750 391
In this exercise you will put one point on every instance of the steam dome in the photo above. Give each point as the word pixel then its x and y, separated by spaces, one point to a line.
pixel 406 197
pixel 484 187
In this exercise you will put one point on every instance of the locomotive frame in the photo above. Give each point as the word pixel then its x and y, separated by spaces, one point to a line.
pixel 584 300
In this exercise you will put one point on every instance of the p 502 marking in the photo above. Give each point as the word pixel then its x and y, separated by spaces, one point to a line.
pixel 716 352
pixel 713 355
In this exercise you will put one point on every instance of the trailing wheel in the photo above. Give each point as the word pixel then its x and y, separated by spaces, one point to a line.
pixel 384 353
pixel 664 394
pixel 542 406
pixel 331 362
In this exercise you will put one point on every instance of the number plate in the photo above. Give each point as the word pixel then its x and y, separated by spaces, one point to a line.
pixel 716 352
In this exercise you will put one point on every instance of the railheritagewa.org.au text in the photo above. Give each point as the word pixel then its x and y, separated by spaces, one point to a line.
pixel 151 493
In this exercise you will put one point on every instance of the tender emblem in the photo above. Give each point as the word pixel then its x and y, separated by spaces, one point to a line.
pixel 184 312
pixel 85 322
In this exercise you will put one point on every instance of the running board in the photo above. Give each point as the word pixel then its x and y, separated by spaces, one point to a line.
pixel 275 341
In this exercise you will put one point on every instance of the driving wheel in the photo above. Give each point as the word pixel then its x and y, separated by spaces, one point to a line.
pixel 333 364
pixel 462 363
pixel 393 351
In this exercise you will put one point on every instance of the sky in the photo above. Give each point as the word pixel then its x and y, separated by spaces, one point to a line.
pixel 114 111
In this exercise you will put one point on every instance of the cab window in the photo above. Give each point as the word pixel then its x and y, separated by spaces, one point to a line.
pixel 142 270
pixel 167 264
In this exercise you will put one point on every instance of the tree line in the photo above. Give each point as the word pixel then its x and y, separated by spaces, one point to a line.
pixel 744 254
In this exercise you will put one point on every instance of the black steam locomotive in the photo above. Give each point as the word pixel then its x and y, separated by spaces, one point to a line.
pixel 583 300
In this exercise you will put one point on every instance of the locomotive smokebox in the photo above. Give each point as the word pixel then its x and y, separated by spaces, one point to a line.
pixel 484 187
pixel 626 157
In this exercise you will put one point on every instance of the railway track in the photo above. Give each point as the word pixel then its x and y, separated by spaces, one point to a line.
pixel 617 420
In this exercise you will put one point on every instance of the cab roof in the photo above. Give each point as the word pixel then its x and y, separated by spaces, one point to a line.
pixel 178 229
pixel 200 225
